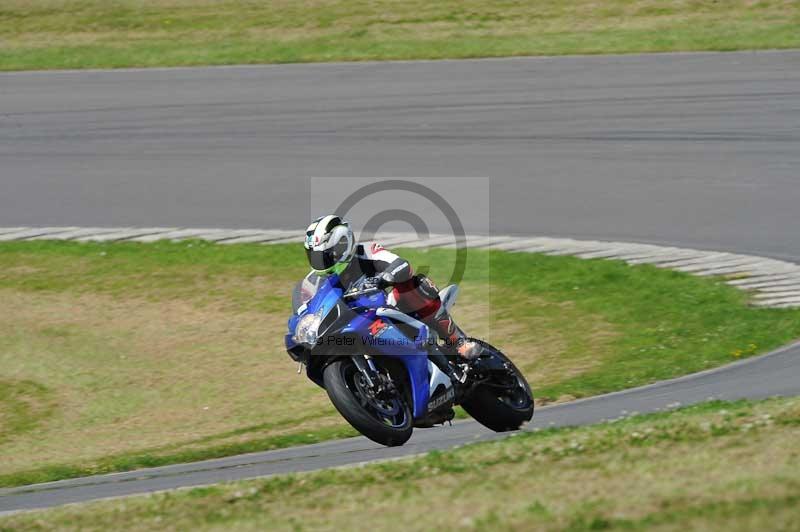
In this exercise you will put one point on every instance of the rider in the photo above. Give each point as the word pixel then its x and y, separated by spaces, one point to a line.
pixel 331 249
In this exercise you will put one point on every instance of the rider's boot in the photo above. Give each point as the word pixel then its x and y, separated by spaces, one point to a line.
pixel 454 337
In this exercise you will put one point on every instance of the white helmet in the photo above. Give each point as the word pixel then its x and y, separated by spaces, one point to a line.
pixel 329 244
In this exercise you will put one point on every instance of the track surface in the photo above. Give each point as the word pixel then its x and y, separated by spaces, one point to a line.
pixel 696 150
pixel 699 150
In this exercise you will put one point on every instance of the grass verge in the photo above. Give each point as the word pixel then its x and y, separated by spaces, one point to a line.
pixel 670 471
pixel 43 34
pixel 120 356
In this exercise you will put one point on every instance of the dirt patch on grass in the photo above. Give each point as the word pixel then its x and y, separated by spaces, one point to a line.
pixel 550 341
pixel 22 270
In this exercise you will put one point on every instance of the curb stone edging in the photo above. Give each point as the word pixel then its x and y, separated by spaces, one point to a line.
pixel 773 283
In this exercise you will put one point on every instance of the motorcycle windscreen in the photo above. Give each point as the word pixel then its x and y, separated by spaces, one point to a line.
pixel 305 290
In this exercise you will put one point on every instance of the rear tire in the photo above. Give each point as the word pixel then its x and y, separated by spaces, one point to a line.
pixel 361 412
pixel 495 411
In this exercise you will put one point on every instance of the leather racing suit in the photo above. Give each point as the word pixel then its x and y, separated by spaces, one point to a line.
pixel 415 295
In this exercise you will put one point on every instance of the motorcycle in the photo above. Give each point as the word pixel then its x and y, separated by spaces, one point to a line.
pixel 384 370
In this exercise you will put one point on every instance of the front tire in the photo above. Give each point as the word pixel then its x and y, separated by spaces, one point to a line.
pixel 499 409
pixel 388 422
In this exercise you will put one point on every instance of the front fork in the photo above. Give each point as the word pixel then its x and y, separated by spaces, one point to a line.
pixel 367 368
pixel 375 380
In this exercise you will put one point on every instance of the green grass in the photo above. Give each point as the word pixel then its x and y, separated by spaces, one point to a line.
pixel 716 466
pixel 120 356
pixel 43 34
pixel 23 404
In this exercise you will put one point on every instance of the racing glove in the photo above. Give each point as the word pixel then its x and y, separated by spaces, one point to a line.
pixel 381 281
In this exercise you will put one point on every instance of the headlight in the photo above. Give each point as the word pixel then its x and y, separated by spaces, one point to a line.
pixel 306 330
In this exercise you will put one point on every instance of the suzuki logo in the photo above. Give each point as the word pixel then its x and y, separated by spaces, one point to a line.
pixel 376 327
pixel 436 402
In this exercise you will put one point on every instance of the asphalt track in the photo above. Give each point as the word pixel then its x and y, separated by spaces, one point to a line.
pixel 697 150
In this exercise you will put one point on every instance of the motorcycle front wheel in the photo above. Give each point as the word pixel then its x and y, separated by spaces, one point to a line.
pixel 387 421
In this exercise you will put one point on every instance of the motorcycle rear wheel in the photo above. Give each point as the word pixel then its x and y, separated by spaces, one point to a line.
pixel 501 409
pixel 389 423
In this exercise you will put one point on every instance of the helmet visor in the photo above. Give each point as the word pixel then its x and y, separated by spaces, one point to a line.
pixel 325 259
pixel 321 260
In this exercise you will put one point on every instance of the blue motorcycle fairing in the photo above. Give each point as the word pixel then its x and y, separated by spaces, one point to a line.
pixel 389 341
pixel 378 334
pixel 321 303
